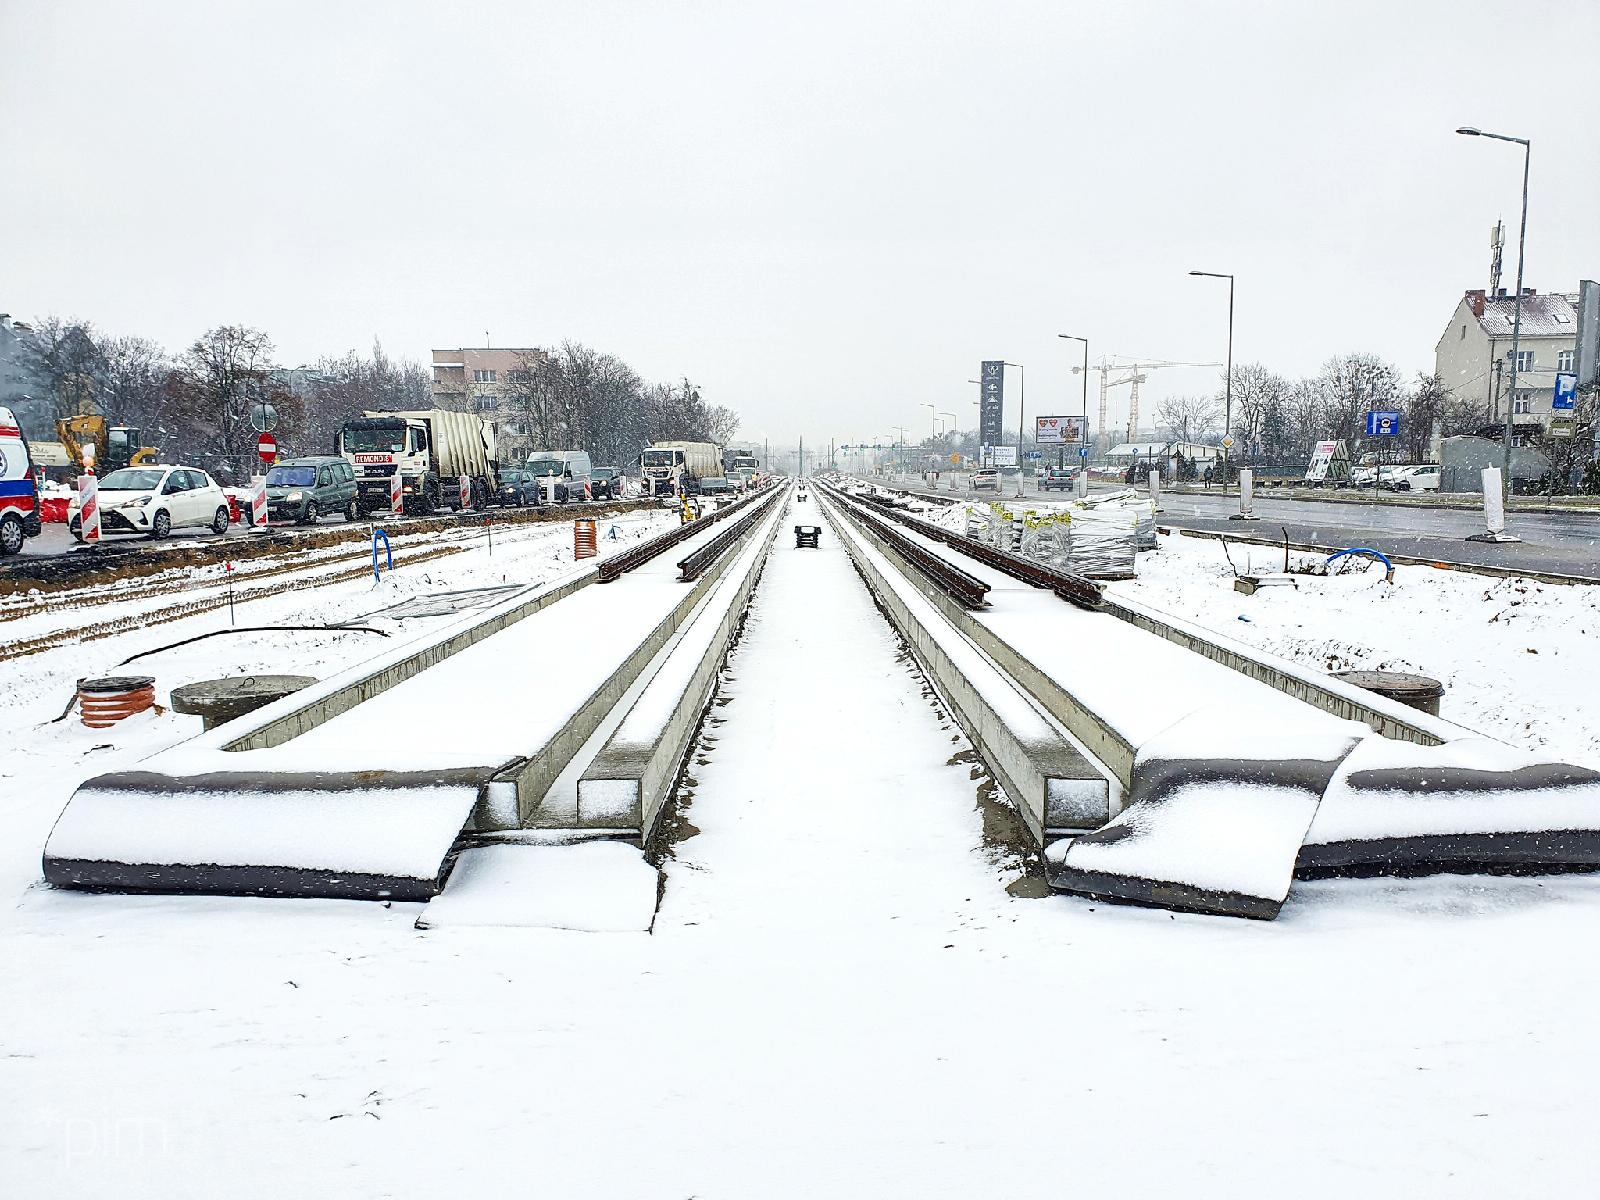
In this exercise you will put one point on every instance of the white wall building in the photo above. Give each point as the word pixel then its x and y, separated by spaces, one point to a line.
pixel 1473 355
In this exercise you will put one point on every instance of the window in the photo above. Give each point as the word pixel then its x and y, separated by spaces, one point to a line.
pixel 324 478
pixel 1463 333
pixel 485 376
pixel 1564 360
pixel 488 403
pixel 1524 361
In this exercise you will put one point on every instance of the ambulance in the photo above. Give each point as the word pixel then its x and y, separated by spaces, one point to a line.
pixel 19 492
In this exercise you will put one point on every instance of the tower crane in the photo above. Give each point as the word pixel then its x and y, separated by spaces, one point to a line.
pixel 1134 377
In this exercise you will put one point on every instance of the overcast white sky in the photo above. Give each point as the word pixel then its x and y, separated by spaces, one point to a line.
pixel 823 213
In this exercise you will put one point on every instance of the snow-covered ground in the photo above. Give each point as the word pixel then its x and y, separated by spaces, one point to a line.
pixel 1518 658
pixel 847 993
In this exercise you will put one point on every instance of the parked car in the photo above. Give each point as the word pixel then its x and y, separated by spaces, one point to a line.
pixel 518 488
pixel 302 489
pixel 605 483
pixel 717 485
pixel 1420 479
pixel 156 499
pixel 986 478
pixel 1057 479
pixel 1365 476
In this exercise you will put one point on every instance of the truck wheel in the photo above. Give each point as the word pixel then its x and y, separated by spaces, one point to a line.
pixel 11 535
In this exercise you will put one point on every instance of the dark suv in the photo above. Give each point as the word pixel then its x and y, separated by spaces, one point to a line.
pixel 605 483
pixel 303 489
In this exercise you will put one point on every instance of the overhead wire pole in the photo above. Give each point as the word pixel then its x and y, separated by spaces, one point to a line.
pixel 1074 338
pixel 1227 379
pixel 1516 303
pixel 1022 406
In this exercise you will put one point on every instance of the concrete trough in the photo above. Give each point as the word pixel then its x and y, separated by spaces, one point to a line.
pixel 1215 820
pixel 1054 785
pixel 246 808
pixel 1467 806
pixel 628 782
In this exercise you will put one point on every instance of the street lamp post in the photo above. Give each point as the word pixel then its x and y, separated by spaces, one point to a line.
pixel 1516 303
pixel 1074 338
pixel 1022 413
pixel 1227 381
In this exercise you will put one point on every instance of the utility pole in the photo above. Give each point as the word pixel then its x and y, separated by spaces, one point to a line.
pixel 801 472
pixel 1516 304
pixel 1022 412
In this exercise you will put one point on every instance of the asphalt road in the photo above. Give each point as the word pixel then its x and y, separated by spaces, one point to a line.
pixel 1560 543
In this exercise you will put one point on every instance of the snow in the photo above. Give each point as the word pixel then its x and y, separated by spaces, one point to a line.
pixel 1226 837
pixel 599 887
pixel 1496 802
pixel 402 831
pixel 1517 657
pixel 840 996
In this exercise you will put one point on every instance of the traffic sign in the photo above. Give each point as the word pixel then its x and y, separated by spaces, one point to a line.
pixel 1566 393
pixel 266 448
pixel 1383 423
pixel 263 418
pixel 1083 452
pixel 1035 454
pixel 1227 441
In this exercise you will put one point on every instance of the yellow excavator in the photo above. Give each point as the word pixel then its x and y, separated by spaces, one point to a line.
pixel 115 447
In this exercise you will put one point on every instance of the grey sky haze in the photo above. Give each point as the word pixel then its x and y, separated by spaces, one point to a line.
pixel 825 213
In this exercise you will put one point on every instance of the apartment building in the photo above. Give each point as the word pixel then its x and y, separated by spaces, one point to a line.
pixel 1473 355
pixel 477 380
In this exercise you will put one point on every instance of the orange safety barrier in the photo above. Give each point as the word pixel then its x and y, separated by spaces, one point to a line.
pixel 104 702
pixel 585 541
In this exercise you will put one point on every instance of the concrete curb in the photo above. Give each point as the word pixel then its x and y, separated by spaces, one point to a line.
pixel 1052 783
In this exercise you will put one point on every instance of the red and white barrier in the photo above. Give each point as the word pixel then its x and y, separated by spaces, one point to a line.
pixel 466 493
pixel 258 503
pixel 89 507
pixel 397 499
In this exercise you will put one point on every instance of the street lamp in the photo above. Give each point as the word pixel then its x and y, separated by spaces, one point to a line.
pixel 1074 338
pixel 1022 407
pixel 933 411
pixel 1516 303
pixel 1227 381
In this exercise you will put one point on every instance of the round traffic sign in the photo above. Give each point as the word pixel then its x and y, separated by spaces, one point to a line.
pixel 263 417
pixel 266 447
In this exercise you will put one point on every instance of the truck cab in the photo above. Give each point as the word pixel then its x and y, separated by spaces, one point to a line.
pixel 663 470
pixel 377 448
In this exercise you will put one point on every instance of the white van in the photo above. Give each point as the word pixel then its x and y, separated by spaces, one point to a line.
pixel 19 493
pixel 568 471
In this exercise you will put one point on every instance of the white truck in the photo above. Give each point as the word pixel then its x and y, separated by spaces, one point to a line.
pixel 673 467
pixel 431 450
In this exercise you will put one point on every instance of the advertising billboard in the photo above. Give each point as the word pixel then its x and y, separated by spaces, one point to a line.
pixel 1050 431
pixel 991 401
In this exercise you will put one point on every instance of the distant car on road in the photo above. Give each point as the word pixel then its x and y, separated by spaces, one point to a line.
pixel 1057 479
pixel 985 479
pixel 518 488
pixel 155 500
pixel 1424 478
pixel 303 489
pixel 717 485
pixel 605 483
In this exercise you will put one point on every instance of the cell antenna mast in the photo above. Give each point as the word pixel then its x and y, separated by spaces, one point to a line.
pixel 1497 244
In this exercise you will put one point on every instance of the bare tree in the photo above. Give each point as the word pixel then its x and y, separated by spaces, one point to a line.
pixel 219 378
pixel 1188 418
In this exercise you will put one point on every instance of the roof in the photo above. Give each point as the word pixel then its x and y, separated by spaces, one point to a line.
pixel 1553 315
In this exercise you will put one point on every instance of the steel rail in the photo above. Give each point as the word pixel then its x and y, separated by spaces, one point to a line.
pixel 1074 589
pixel 695 565
pixel 966 590
pixel 618 565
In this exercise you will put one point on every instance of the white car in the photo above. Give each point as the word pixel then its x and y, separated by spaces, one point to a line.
pixel 155 499
pixel 985 479
pixel 1420 479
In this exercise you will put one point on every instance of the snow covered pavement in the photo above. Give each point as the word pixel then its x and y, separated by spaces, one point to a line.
pixel 840 998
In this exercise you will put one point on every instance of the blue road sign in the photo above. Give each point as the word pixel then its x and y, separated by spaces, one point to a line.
pixel 1383 424
pixel 1566 394
pixel 1035 454
pixel 1083 452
